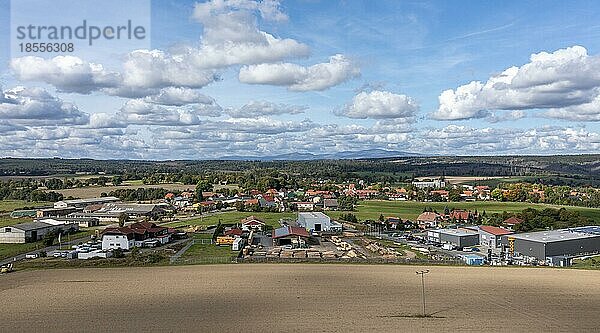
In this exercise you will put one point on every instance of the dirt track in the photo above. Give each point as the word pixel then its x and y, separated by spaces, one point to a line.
pixel 307 298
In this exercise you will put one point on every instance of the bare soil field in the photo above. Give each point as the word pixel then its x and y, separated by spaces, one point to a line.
pixel 95 191
pixel 300 298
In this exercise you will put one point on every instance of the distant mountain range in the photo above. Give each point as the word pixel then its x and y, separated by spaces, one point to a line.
pixel 345 155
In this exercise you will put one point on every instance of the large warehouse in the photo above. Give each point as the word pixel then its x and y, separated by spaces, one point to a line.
pixel 460 237
pixel 554 247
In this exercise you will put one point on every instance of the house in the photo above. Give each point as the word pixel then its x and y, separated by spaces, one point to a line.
pixel 267 201
pixel 461 216
pixel 442 193
pixel 140 234
pixel 289 235
pixel 118 238
pixel 330 204
pixel 317 222
pixel 511 222
pixel 435 183
pixel 491 236
pixel 234 232
pixel 252 223
pixel 25 232
pixel 305 206
pixel 428 220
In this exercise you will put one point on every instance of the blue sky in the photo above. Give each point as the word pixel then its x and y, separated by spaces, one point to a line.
pixel 437 77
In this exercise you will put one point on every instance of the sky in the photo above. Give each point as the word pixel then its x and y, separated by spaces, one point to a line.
pixel 264 78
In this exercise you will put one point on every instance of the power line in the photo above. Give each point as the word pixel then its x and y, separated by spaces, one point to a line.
pixel 422 273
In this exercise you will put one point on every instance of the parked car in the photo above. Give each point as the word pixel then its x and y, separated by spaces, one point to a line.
pixel 31 255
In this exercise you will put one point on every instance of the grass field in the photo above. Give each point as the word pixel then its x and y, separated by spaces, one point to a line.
pixel 232 217
pixel 7 206
pixel 300 298
pixel 371 209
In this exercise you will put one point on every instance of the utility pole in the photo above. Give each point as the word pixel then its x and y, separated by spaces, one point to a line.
pixel 422 273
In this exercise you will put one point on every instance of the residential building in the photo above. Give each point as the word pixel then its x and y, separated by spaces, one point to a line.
pixel 330 204
pixel 252 223
pixel 428 220
pixel 433 183
pixel 305 206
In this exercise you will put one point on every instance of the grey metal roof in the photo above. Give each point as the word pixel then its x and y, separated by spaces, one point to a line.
pixel 560 234
pixel 90 200
pixel 279 232
pixel 28 226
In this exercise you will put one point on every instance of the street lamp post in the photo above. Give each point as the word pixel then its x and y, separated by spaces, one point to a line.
pixel 422 273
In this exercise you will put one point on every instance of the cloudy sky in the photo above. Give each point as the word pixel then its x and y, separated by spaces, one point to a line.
pixel 226 78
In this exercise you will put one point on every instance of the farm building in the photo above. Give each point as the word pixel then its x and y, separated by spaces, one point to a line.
pixel 81 222
pixel 460 237
pixel 554 247
pixel 289 235
pixel 23 213
pixel 132 210
pixel 55 212
pixel 26 232
pixel 318 222
pixel 491 236
pixel 81 203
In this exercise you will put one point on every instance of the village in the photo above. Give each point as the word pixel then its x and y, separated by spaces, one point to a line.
pixel 300 225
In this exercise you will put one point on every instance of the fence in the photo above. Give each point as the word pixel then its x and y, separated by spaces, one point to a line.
pixel 454 262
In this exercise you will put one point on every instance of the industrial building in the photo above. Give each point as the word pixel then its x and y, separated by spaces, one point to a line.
pixel 459 238
pixel 288 235
pixel 554 247
pixel 318 222
pixel 491 236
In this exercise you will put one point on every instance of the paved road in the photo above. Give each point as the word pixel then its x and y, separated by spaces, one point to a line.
pixel 45 249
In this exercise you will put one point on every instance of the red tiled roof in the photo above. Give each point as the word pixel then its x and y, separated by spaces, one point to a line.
pixel 293 231
pixel 252 220
pixel 234 231
pixel 459 215
pixel 513 220
pixel 427 216
pixel 495 230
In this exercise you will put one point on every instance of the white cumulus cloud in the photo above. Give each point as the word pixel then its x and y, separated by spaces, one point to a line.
pixel 299 78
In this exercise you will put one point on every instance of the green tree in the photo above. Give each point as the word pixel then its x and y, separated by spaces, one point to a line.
pixel 123 217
